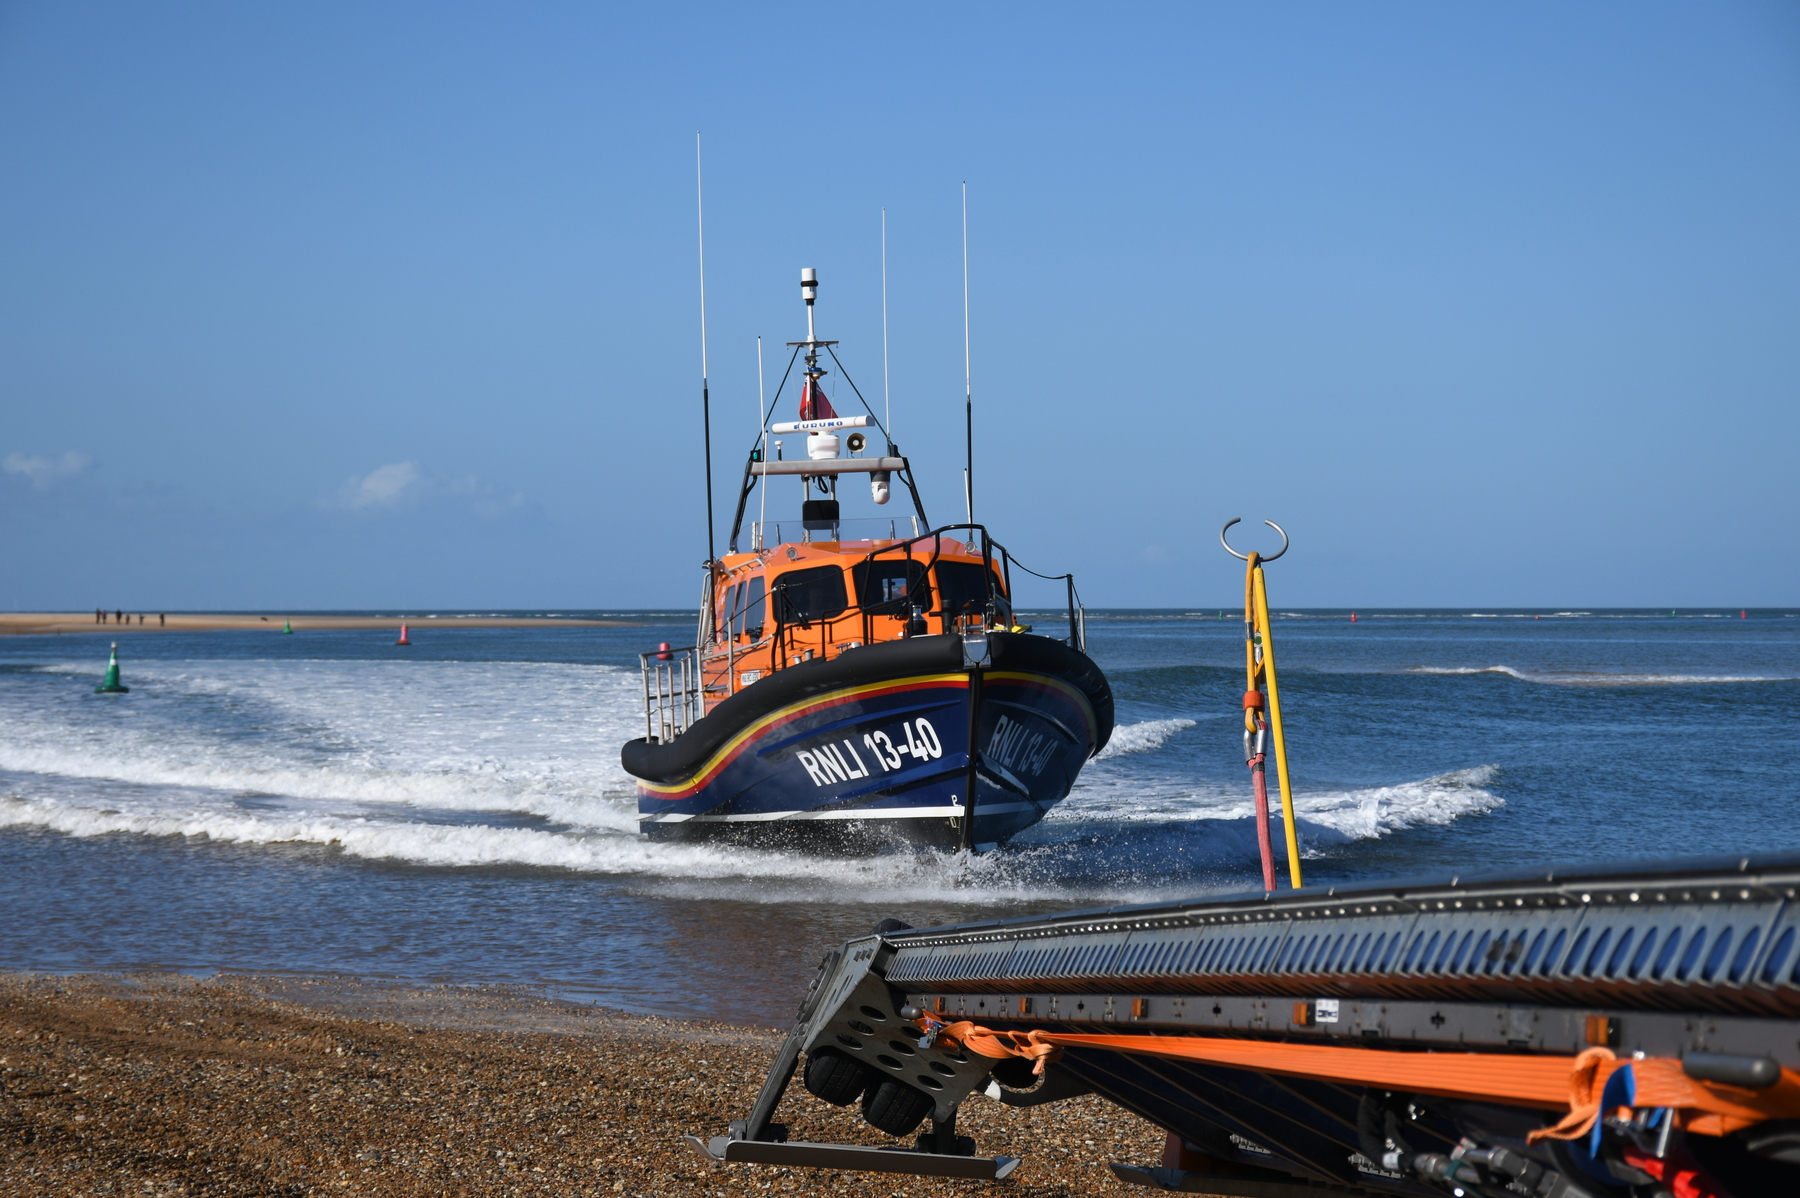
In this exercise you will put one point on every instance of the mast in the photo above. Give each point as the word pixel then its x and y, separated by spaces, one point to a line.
pixel 762 424
pixel 968 394
pixel 712 556
pixel 809 291
pixel 887 401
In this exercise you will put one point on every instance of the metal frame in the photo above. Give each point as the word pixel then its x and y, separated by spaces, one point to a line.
pixel 1343 965
pixel 1573 938
pixel 671 693
pixel 859 1157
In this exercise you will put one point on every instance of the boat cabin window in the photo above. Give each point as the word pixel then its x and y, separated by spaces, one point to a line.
pixel 885 587
pixel 813 594
pixel 749 618
pixel 962 587
pixel 734 611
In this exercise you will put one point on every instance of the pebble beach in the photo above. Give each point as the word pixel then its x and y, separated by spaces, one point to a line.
pixel 172 1085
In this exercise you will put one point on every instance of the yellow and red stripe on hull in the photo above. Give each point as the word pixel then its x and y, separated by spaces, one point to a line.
pixel 729 751
pixel 794 712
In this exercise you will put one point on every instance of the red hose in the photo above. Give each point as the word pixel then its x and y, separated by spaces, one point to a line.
pixel 1258 779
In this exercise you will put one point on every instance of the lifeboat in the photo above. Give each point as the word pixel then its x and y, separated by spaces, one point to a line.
pixel 860 683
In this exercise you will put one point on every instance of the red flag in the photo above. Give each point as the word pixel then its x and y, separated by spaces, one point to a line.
pixel 813 404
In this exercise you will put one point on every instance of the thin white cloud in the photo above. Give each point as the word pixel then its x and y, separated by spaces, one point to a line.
pixel 45 471
pixel 408 485
pixel 381 487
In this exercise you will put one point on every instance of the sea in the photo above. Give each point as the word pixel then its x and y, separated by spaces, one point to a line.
pixel 329 803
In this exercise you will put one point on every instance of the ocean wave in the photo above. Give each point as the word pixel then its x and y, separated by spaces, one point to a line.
pixel 1221 829
pixel 1211 832
pixel 1324 817
pixel 417 843
pixel 1371 812
pixel 515 765
pixel 570 794
pixel 531 738
pixel 1141 738
pixel 671 870
pixel 1598 677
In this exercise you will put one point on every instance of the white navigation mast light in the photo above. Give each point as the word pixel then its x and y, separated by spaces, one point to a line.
pixel 809 291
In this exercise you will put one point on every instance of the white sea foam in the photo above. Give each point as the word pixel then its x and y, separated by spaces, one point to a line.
pixel 1141 738
pixel 1324 818
pixel 1369 812
pixel 468 764
pixel 436 764
pixel 675 870
pixel 1597 677
pixel 523 737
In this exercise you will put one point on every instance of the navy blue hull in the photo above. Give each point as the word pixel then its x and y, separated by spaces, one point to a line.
pixel 872 749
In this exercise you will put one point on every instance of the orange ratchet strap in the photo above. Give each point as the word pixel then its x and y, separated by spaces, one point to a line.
pixel 1541 1082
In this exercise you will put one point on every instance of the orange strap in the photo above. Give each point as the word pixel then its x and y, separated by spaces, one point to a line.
pixel 1587 1078
pixel 1033 1045
pixel 1709 1108
pixel 1541 1082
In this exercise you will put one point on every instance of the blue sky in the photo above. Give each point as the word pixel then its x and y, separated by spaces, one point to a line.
pixel 381 306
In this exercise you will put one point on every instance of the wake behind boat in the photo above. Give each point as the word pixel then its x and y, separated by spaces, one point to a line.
pixel 860 683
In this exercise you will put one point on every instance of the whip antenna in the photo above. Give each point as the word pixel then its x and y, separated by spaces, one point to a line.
pixel 968 395
pixel 705 388
pixel 762 422
pixel 887 404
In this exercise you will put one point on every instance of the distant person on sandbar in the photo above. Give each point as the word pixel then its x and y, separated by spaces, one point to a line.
pixel 162 619
pixel 99 616
pixel 118 616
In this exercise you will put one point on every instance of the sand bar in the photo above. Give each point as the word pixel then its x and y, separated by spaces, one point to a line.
pixel 165 1084
pixel 47 623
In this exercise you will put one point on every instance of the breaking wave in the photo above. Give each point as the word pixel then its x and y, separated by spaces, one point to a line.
pixel 1221 818
pixel 1598 677
pixel 1383 810
pixel 514 765
pixel 1141 738
pixel 1226 830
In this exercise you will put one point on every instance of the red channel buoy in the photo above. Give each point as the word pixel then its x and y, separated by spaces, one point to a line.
pixel 1743 615
pixel 1353 617
pixel 403 638
pixel 662 652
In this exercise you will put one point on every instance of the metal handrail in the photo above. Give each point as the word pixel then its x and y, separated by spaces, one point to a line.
pixel 1077 611
pixel 672 706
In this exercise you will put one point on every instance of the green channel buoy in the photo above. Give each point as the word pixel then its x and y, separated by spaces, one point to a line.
pixel 288 627
pixel 111 685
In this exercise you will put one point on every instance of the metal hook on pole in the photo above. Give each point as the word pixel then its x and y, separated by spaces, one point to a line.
pixel 1244 557
pixel 1262 709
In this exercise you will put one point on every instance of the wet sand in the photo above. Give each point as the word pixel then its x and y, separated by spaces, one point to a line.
pixel 171 1085
pixel 52 623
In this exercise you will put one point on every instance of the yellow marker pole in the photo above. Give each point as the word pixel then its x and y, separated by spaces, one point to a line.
pixel 1254 722
pixel 1287 794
